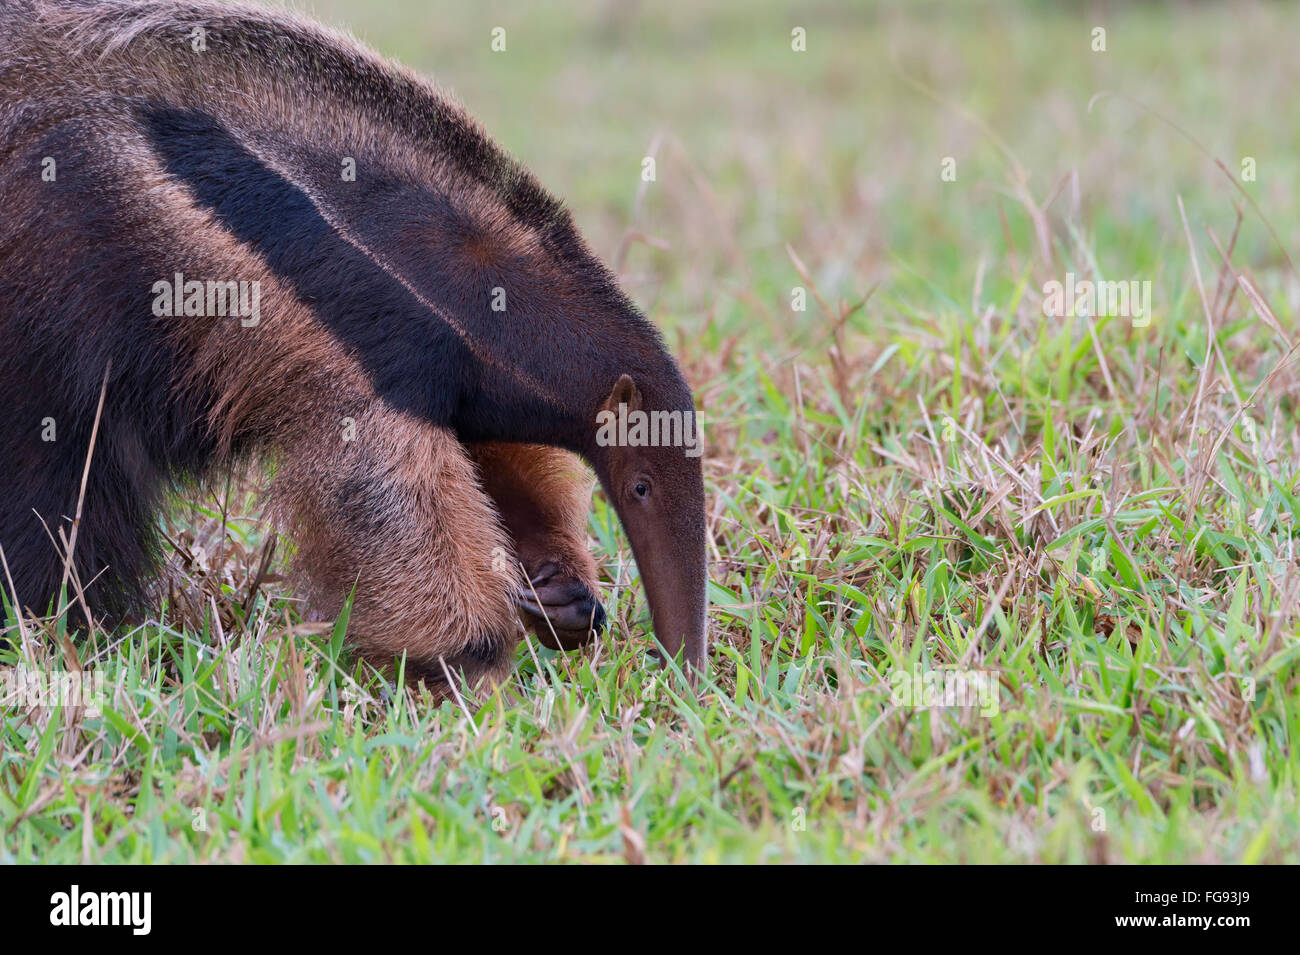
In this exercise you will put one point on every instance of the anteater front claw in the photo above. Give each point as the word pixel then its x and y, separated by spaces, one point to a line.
pixel 561 610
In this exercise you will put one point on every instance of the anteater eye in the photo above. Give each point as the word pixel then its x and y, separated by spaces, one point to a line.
pixel 641 489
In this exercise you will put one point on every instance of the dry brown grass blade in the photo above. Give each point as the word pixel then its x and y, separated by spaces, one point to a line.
pixel 17 608
pixel 81 494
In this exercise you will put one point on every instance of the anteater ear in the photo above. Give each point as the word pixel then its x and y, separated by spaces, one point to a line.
pixel 625 392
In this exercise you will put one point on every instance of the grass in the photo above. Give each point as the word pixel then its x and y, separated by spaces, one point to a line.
pixel 920 472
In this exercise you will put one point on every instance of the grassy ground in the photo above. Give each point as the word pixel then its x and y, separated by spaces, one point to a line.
pixel 919 473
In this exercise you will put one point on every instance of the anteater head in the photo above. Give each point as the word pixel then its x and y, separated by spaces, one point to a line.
pixel 646 449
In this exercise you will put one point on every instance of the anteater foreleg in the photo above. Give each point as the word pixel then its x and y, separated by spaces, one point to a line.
pixel 392 505
pixel 543 495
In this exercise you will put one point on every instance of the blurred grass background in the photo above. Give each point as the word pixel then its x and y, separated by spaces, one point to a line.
pixel 835 152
